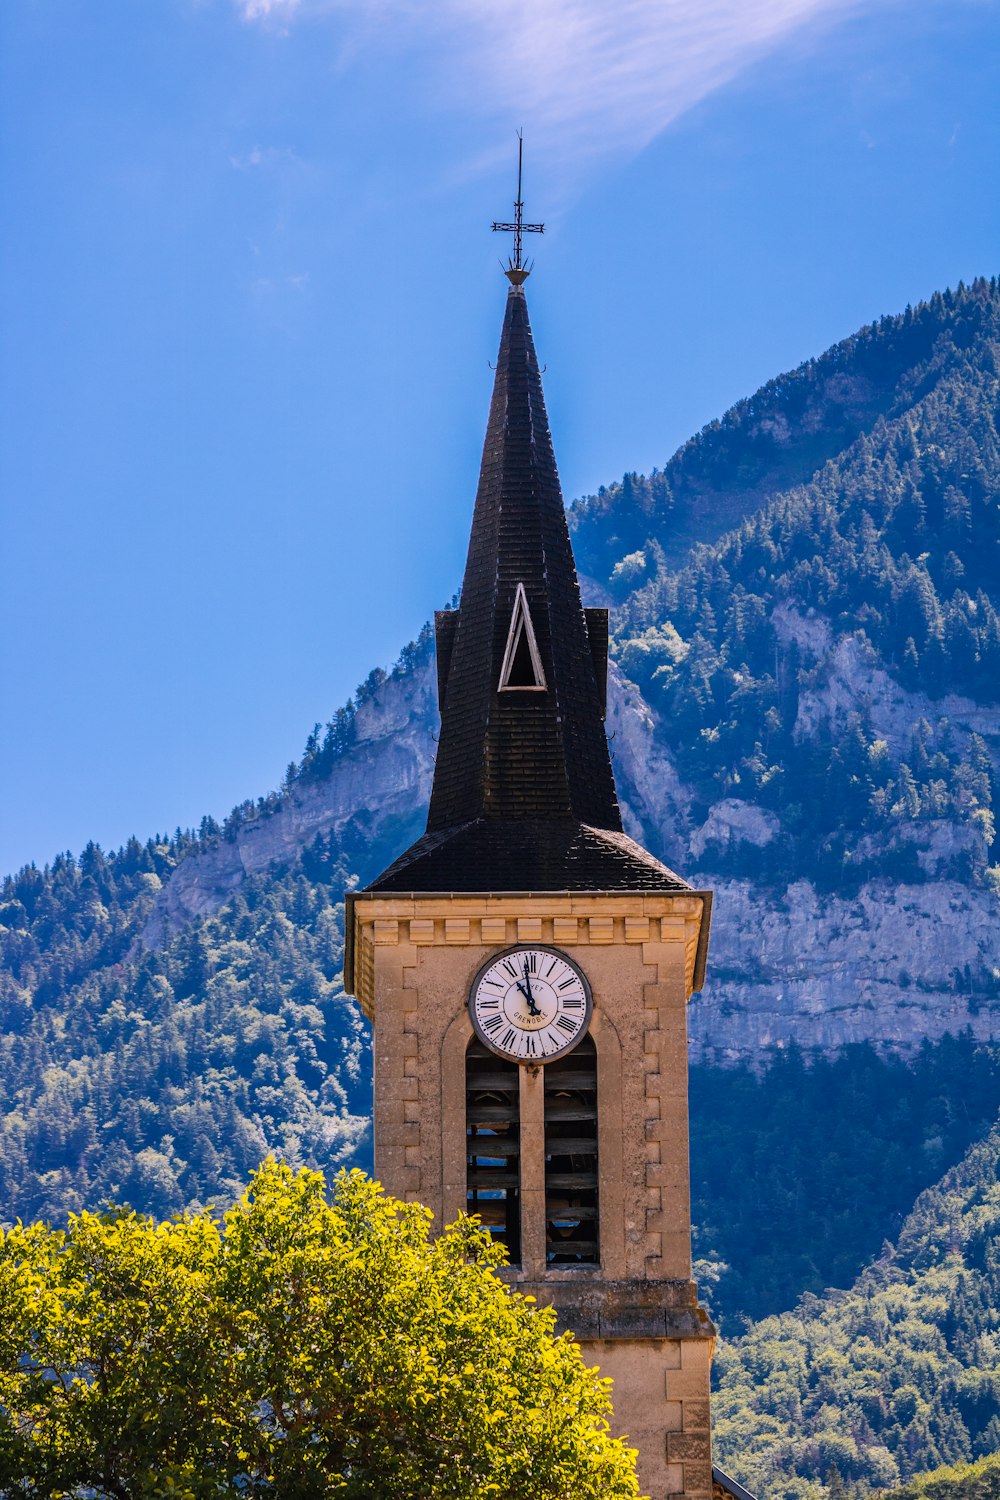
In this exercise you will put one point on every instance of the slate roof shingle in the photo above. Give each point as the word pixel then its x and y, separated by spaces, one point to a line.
pixel 526 855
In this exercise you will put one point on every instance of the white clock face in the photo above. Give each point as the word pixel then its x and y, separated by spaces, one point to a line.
pixel 530 1004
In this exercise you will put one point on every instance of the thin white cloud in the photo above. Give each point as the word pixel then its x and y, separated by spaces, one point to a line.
pixel 259 157
pixel 618 74
pixel 590 75
pixel 260 10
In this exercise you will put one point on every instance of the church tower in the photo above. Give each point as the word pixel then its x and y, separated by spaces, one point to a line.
pixel 526 965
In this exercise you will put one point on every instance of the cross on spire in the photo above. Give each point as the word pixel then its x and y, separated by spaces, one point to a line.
pixel 516 271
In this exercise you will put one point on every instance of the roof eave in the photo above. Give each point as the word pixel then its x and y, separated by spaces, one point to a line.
pixel 349 899
pixel 704 930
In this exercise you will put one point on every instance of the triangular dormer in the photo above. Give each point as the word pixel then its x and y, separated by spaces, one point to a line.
pixel 521 670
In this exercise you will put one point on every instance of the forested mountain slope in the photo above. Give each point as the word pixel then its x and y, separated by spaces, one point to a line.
pixel 800 1170
pixel 782 435
pixel 898 1375
pixel 979 1480
pixel 803 715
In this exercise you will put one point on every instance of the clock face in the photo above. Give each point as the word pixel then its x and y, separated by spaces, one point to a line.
pixel 530 1004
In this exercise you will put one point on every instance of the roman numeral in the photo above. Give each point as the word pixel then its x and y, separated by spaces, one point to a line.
pixel 510 969
pixel 532 962
pixel 488 1002
pixel 493 1025
pixel 567 982
pixel 571 1002
pixel 554 965
pixel 530 1049
pixel 508 1038
pixel 565 1024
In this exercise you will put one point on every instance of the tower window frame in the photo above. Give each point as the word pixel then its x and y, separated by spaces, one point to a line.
pixel 572 1162
pixel 493 1145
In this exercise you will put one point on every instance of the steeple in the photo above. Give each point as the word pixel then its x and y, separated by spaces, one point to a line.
pixel 522 733
pixel 524 796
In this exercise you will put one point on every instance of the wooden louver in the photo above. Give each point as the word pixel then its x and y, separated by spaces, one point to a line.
pixel 572 1231
pixel 493 1145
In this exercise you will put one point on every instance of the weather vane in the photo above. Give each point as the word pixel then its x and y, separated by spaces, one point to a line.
pixel 516 271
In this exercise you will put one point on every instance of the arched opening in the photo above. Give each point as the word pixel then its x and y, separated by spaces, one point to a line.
pixel 493 1145
pixel 572 1227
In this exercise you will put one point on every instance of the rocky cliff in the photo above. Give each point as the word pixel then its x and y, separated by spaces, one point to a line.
pixel 381 783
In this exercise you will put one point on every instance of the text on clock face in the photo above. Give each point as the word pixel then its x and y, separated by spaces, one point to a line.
pixel 530 1004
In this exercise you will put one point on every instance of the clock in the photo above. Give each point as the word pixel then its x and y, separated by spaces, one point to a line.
pixel 530 1004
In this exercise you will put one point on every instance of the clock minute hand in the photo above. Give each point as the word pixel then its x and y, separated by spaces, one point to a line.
pixel 533 1008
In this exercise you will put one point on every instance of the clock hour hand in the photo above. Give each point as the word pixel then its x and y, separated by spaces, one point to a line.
pixel 532 1007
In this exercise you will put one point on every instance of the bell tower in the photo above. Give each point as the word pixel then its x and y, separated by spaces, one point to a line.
pixel 526 965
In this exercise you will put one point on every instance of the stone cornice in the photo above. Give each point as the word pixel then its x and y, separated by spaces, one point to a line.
pixel 373 920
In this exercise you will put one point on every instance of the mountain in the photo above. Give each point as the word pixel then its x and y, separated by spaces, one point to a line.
pixel 803 715
pixel 782 436
pixel 896 1376
pixel 799 1170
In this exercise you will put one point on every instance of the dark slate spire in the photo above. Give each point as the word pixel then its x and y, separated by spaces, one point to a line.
pixel 524 796
pixel 532 751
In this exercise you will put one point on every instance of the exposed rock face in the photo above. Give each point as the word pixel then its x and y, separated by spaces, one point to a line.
pixel 893 964
pixel 383 777
pixel 850 680
pixel 386 775
pixel 654 801
pixel 733 822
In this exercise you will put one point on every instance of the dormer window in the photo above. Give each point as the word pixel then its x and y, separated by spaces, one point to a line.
pixel 522 662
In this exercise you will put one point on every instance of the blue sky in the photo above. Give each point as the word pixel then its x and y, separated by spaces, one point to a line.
pixel 248 296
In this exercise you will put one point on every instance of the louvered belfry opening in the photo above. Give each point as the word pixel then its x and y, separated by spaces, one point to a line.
pixel 493 1145
pixel 572 1231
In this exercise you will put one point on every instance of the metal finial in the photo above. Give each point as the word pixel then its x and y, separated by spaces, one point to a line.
pixel 516 271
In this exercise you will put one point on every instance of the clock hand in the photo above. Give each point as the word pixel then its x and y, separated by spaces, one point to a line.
pixel 532 1007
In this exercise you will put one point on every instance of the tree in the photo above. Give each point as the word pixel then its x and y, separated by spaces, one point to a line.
pixel 304 1346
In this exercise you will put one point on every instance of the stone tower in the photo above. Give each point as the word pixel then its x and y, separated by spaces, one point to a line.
pixel 526 965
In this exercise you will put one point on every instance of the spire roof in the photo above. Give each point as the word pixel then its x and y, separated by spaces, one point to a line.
pixel 524 796
pixel 538 750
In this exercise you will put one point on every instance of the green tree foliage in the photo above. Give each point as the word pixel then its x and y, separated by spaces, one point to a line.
pixel 898 1375
pixel 303 1347
pixel 975 1481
